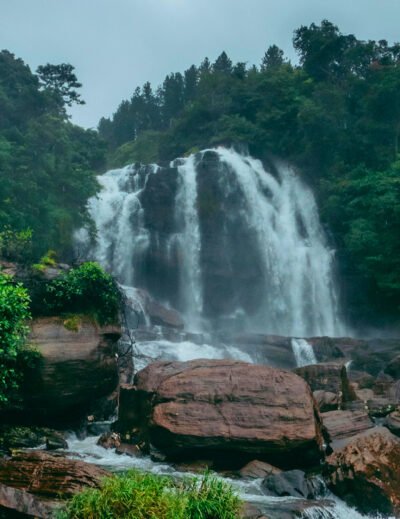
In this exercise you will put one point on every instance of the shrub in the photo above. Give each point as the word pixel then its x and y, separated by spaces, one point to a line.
pixel 14 311
pixel 87 290
pixel 16 245
pixel 137 495
pixel 211 498
pixel 48 260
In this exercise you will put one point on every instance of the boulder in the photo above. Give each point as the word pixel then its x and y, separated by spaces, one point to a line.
pixel 109 440
pixel 77 368
pixel 161 315
pixel 293 483
pixel 48 475
pixel 392 422
pixel 12 437
pixel 22 502
pixel 258 469
pixel 341 425
pixel 225 409
pixel 329 377
pixel 366 472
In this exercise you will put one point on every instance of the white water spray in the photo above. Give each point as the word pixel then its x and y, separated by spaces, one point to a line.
pixel 190 243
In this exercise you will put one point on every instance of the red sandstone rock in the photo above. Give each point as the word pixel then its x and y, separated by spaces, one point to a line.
pixel 342 425
pixel 221 407
pixel 77 367
pixel 366 472
pixel 48 475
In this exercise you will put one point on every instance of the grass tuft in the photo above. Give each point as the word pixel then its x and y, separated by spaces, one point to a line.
pixel 137 495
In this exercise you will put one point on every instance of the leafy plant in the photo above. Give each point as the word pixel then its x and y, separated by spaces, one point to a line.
pixel 137 495
pixel 48 260
pixel 16 245
pixel 14 312
pixel 86 289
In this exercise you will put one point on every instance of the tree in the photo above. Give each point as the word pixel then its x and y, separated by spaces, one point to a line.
pixel 273 58
pixel 222 65
pixel 61 82
pixel 14 311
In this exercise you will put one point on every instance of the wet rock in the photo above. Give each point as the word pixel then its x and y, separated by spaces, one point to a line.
pixel 293 483
pixel 25 503
pixel 258 469
pixel 227 410
pixel 327 401
pixel 76 368
pixel 13 437
pixel 48 475
pixel 341 425
pixel 109 440
pixel 329 377
pixel 129 450
pixel 366 472
pixel 392 422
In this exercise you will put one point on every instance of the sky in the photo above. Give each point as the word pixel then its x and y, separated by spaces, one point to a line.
pixel 116 45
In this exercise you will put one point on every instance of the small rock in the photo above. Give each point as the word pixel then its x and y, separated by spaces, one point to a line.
pixel 129 450
pixel 109 440
pixel 258 469
pixel 293 483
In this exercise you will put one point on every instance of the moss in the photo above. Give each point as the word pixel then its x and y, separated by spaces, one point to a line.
pixel 48 260
pixel 72 323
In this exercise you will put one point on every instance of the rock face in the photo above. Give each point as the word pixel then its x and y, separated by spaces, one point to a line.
pixel 366 472
pixel 48 475
pixel 341 425
pixel 30 437
pixel 22 502
pixel 217 408
pixel 330 377
pixel 77 368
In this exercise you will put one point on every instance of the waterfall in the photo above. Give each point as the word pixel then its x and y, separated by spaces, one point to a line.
pixel 224 239
pixel 296 263
pixel 303 352
pixel 118 217
pixel 189 241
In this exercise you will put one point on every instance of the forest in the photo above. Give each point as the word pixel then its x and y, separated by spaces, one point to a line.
pixel 335 115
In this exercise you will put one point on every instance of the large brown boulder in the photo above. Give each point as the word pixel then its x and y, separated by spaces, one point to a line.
pixel 366 472
pixel 77 367
pixel 225 409
pixel 49 475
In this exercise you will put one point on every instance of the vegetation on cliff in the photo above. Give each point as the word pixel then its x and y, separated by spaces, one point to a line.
pixel 336 115
pixel 47 164
pixel 14 311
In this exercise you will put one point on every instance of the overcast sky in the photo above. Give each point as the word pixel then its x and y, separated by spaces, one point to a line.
pixel 116 45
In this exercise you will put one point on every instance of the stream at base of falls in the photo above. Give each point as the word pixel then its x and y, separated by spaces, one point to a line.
pixel 250 490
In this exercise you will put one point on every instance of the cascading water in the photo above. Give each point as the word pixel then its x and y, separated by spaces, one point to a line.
pixel 303 352
pixel 222 239
pixel 235 247
pixel 295 262
pixel 189 241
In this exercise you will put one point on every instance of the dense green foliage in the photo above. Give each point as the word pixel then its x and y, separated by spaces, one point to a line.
pixel 14 311
pixel 86 290
pixel 336 115
pixel 136 495
pixel 47 164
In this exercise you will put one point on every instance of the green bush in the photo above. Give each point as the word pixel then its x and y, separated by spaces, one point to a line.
pixel 137 495
pixel 86 290
pixel 16 245
pixel 14 311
